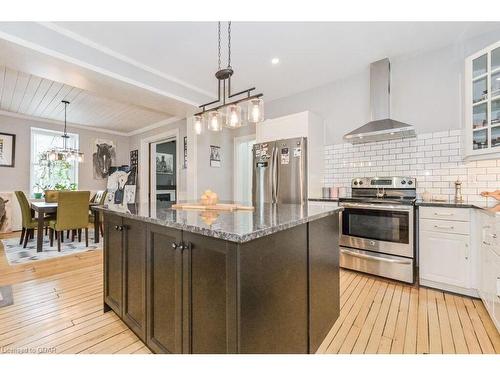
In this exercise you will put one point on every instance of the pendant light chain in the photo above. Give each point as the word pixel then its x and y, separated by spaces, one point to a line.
pixel 219 43
pixel 65 132
pixel 229 44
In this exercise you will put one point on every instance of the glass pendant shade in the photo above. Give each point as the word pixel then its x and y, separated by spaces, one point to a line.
pixel 255 110
pixel 52 155
pixel 214 121
pixel 233 116
pixel 198 125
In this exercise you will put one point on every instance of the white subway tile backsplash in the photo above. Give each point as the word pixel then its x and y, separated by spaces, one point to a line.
pixel 433 158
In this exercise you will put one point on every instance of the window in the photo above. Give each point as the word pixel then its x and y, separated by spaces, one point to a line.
pixel 47 174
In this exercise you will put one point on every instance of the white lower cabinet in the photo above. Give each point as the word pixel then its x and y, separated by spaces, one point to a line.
pixel 446 254
pixel 444 258
pixel 459 251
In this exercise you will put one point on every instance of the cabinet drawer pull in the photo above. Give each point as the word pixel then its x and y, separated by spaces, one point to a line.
pixel 174 245
pixel 443 214
pixel 440 227
pixel 486 243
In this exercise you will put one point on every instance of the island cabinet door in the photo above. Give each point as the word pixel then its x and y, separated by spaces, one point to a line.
pixel 209 290
pixel 164 290
pixel 324 280
pixel 134 276
pixel 113 263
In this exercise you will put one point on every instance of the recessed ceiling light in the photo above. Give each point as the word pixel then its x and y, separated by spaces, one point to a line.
pixel 275 60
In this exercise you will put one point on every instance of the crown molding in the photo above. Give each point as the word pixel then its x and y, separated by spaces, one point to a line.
pixel 154 126
pixel 144 129
pixel 61 123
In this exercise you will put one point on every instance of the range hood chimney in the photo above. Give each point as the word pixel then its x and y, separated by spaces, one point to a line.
pixel 382 127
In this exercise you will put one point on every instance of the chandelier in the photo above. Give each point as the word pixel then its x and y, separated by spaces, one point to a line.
pixel 227 112
pixel 65 153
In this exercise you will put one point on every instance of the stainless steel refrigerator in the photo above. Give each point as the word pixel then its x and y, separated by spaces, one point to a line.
pixel 280 171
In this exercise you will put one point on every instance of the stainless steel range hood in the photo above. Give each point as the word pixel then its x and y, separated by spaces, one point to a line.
pixel 382 127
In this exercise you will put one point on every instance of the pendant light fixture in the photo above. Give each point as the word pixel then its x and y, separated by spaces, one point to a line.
pixel 225 112
pixel 65 153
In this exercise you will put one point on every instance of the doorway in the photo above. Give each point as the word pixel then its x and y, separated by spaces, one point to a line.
pixel 243 168
pixel 163 173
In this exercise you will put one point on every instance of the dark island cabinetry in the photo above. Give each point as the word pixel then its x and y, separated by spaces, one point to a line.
pixel 125 271
pixel 186 292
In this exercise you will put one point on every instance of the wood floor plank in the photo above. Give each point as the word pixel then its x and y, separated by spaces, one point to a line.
pixel 433 318
pixel 482 336
pixel 423 323
pixel 338 341
pixel 410 341
pixel 490 328
pixel 369 323
pixel 456 327
pixel 401 322
pixel 468 330
pixel 376 334
pixel 444 325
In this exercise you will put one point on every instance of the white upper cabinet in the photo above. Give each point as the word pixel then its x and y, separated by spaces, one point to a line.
pixel 482 103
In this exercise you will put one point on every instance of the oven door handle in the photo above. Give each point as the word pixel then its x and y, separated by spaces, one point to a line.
pixel 370 257
pixel 378 206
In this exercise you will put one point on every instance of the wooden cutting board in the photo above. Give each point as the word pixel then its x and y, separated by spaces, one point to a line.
pixel 215 207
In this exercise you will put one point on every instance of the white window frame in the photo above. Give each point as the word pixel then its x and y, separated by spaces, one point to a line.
pixel 33 131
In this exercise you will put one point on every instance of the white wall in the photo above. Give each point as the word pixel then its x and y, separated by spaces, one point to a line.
pixel 18 178
pixel 426 92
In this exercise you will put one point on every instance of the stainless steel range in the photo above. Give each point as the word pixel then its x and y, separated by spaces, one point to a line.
pixel 378 227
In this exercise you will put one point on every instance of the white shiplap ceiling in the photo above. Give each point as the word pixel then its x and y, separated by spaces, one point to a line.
pixel 29 95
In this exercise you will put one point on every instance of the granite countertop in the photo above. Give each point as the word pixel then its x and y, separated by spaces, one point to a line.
pixel 488 205
pixel 323 199
pixel 237 226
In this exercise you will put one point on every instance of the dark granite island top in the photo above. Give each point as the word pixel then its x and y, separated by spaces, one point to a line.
pixel 236 226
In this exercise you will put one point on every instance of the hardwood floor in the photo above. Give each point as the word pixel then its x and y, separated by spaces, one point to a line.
pixel 58 309
pixel 381 316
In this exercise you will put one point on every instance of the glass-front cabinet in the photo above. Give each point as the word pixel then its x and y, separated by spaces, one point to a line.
pixel 482 102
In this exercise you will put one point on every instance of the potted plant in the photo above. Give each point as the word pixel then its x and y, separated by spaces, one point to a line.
pixel 39 189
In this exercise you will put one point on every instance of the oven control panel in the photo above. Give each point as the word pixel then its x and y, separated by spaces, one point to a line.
pixel 384 182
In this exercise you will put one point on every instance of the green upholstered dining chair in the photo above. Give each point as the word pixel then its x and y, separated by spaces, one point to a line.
pixel 98 198
pixel 72 215
pixel 29 222
pixel 51 196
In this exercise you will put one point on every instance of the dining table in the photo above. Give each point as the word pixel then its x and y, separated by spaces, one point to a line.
pixel 43 208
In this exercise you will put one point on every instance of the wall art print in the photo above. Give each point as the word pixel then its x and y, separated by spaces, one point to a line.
pixel 7 149
pixel 215 157
pixel 164 163
pixel 121 185
pixel 103 158
pixel 6 200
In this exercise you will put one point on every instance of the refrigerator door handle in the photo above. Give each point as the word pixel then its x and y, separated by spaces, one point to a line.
pixel 275 178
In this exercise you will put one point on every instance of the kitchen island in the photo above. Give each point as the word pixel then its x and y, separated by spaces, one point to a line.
pixel 262 281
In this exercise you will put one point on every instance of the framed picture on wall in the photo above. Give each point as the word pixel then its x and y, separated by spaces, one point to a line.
pixel 7 149
pixel 185 164
pixel 164 163
pixel 215 156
